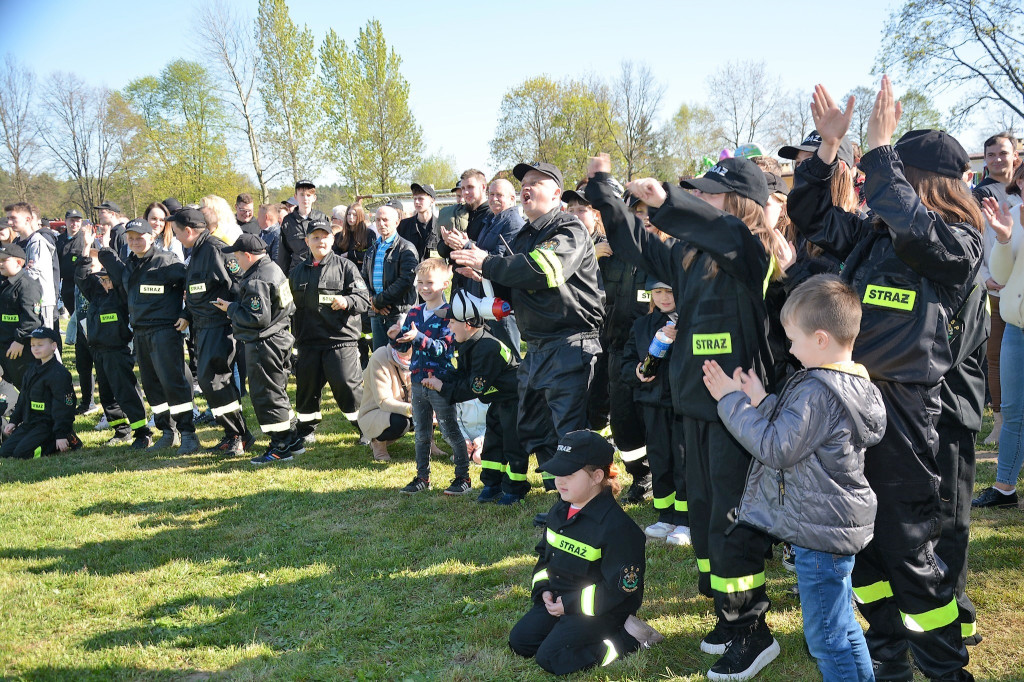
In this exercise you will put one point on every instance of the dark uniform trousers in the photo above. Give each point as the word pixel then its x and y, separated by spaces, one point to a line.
pixel 503 461
pixel 84 364
pixel 569 643
pixel 903 589
pixel 597 399
pixel 215 357
pixel 166 379
pixel 29 441
pixel 665 453
pixel 956 462
pixel 119 391
pixel 554 380
pixel 730 560
pixel 338 367
pixel 267 364
pixel 623 414
pixel 14 370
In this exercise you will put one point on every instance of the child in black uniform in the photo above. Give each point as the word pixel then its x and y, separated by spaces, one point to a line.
pixel 589 580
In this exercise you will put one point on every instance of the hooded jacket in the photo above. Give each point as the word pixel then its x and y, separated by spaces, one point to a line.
pixel 806 483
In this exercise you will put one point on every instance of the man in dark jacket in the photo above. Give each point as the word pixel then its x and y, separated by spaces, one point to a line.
pixel 389 269
pixel 20 312
pixel 421 228
pixel 244 214
pixel 292 247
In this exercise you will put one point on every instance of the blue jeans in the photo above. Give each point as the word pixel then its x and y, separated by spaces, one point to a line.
pixel 833 634
pixel 1011 438
pixel 425 404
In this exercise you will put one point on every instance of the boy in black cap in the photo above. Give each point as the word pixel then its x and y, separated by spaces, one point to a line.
pixel 20 312
pixel 487 371
pixel 260 318
pixel 44 417
pixel 292 247
pixel 589 579
pixel 330 299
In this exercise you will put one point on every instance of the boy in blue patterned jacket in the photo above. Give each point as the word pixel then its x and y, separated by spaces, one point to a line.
pixel 426 330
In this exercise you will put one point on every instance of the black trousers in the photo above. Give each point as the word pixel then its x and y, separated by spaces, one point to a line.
pixel 730 560
pixel 554 379
pixel 400 425
pixel 30 440
pixel 503 461
pixel 956 462
pixel 165 377
pixel 215 358
pixel 903 589
pixel 626 420
pixel 84 364
pixel 14 370
pixel 318 367
pixel 267 363
pixel 666 455
pixel 119 391
pixel 597 399
pixel 570 643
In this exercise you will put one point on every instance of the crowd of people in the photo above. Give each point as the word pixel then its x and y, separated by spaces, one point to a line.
pixel 771 364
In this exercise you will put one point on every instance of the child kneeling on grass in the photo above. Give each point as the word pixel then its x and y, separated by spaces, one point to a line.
pixel 807 485
pixel 589 580
pixel 44 418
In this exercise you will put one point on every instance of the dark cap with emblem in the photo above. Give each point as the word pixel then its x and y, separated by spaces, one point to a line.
pixel 739 175
pixel 46 333
pixel 933 150
pixel 811 144
pixel 305 184
pixel 138 225
pixel 12 250
pixel 776 185
pixel 173 205
pixel 548 169
pixel 457 187
pixel 423 189
pixel 576 450
pixel 573 196
pixel 109 206
pixel 248 243
pixel 190 217
pixel 318 224
pixel 73 213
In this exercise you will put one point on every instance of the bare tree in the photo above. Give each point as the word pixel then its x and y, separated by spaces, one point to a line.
pixel 77 132
pixel 635 98
pixel 746 99
pixel 16 124
pixel 230 50
pixel 793 121
pixel 863 104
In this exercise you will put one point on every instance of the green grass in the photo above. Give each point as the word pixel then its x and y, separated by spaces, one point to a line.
pixel 123 566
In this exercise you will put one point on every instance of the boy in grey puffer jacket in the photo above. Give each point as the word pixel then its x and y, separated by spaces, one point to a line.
pixel 806 484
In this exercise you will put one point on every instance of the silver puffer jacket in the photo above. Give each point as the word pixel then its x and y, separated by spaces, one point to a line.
pixel 806 484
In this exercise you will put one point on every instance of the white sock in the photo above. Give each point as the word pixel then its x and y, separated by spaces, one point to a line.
pixel 1006 492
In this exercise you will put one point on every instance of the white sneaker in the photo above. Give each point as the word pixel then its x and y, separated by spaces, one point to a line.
pixel 681 536
pixel 659 530
pixel 102 424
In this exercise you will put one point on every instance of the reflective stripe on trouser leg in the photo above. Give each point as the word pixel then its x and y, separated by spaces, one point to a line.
pixel 215 356
pixel 658 425
pixel 956 462
pixel 310 380
pixel 118 369
pixel 267 363
pixel 501 442
pixel 165 377
pixel 699 501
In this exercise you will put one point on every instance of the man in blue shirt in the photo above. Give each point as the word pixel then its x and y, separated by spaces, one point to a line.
pixel 389 270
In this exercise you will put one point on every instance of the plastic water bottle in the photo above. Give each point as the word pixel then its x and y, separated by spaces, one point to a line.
pixel 657 351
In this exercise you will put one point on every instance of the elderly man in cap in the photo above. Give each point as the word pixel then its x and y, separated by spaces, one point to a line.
pixel 292 247
pixel 551 280
pixel 420 229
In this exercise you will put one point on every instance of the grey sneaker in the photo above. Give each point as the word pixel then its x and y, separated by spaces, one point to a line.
pixel 168 439
pixel 189 443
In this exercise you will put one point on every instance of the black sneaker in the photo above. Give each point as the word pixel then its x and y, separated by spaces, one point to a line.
pixel 746 655
pixel 141 443
pixel 277 452
pixel 489 494
pixel 416 485
pixel 229 445
pixel 459 486
pixel 297 446
pixel 540 520
pixel 248 440
pixel 168 439
pixel 716 641
pixel 638 492
pixel 993 499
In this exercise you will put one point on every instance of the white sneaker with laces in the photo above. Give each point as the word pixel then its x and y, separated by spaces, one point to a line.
pixel 681 536
pixel 659 530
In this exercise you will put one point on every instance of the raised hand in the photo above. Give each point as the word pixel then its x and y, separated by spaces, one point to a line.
pixel 884 117
pixel 649 191
pixel 998 218
pixel 602 163
pixel 830 121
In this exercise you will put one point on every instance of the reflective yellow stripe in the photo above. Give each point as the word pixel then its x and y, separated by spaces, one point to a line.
pixel 506 354
pixel 768 277
pixel 117 422
pixel 667 502
pixel 546 476
pixel 233 406
pixel 932 620
pixel 611 655
pixel 38 452
pixel 513 476
pixel 178 409
pixel 704 565
pixel 968 629
pixel 573 547
pixel 540 575
pixel 549 264
pixel 873 592
pixel 890 297
pixel 138 425
pixel 712 344
pixel 682 506
pixel 587 597
pixel 10 318
pixel 740 584
pixel 487 464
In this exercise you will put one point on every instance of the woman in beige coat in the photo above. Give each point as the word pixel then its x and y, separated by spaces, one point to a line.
pixel 386 413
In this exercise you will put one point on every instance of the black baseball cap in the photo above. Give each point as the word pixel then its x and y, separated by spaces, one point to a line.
pixel 249 243
pixel 12 250
pixel 740 175
pixel 933 150
pixel 655 283
pixel 138 225
pixel 423 189
pixel 576 450
pixel 811 144
pixel 457 187
pixel 290 201
pixel 575 196
pixel 173 206
pixel 190 217
pixel 73 213
pixel 304 183
pixel 108 205
pixel 318 224
pixel 46 333
pixel 548 169
pixel 776 183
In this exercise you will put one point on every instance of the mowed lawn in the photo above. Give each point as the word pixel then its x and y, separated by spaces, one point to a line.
pixel 116 565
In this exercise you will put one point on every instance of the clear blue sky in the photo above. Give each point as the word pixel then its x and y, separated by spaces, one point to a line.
pixel 460 58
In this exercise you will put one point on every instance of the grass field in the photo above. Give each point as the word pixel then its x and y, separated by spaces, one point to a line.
pixel 117 565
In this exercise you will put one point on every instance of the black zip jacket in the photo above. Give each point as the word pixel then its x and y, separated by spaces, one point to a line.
pixel 550 278
pixel 20 309
pixel 211 274
pixel 107 318
pixel 424 236
pixel 264 306
pixel 722 318
pixel 292 247
pixel 962 393
pixel 399 272
pixel 655 393
pixel 153 286
pixel 68 250
pixel 486 370
pixel 626 298
pixel 316 324
pixel 47 397
pixel 912 274
pixel 594 561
